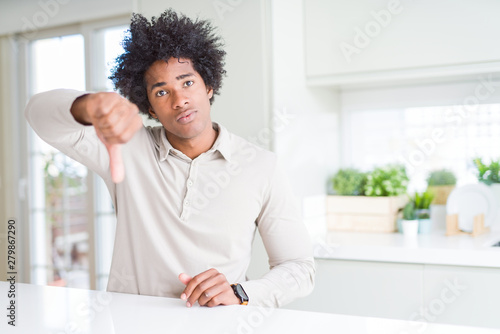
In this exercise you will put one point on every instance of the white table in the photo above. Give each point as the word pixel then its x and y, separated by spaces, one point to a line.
pixel 41 309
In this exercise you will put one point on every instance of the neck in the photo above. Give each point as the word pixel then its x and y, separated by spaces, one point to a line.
pixel 193 147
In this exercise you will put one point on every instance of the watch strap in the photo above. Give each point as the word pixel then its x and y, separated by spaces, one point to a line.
pixel 240 293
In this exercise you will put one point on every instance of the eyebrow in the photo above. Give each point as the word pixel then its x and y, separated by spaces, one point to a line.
pixel 163 83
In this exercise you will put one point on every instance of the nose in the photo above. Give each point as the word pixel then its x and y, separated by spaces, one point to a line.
pixel 180 100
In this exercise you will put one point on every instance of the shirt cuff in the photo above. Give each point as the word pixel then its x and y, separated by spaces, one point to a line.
pixel 64 109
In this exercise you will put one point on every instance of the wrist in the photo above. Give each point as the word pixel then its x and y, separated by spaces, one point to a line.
pixel 79 110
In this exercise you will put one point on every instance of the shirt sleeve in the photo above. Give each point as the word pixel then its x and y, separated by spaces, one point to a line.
pixel 288 246
pixel 50 117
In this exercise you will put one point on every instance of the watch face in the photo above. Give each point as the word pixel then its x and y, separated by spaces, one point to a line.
pixel 241 293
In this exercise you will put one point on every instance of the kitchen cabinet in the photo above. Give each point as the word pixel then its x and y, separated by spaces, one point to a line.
pixel 462 295
pixel 380 40
pixel 456 295
pixel 387 290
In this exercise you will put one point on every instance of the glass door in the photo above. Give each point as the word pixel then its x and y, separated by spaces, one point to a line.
pixel 72 219
pixel 59 202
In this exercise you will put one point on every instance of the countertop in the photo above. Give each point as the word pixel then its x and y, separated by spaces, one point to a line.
pixel 435 248
pixel 56 310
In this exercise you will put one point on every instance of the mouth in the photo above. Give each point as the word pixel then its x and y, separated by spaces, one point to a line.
pixel 186 116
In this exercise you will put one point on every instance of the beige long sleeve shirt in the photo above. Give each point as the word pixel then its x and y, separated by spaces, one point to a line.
pixel 176 214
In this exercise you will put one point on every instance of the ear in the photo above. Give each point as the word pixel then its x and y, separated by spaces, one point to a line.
pixel 210 92
pixel 152 113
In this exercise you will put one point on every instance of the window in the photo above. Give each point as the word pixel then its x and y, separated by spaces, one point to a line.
pixel 425 139
pixel 59 207
pixel 72 220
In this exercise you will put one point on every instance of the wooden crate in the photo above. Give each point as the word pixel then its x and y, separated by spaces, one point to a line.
pixel 363 213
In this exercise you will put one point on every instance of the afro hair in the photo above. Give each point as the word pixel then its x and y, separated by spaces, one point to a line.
pixel 167 36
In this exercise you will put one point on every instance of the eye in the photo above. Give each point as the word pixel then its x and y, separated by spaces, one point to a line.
pixel 161 93
pixel 188 83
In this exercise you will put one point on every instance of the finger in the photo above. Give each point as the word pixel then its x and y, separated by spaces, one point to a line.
pixel 207 297
pixel 101 104
pixel 184 278
pixel 121 132
pixel 108 120
pixel 132 127
pixel 205 286
pixel 224 298
pixel 120 125
pixel 194 282
pixel 116 163
pixel 114 131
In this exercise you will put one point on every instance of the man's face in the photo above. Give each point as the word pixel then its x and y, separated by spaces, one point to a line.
pixel 179 98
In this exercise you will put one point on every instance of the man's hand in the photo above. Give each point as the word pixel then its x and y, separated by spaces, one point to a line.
pixel 210 288
pixel 115 120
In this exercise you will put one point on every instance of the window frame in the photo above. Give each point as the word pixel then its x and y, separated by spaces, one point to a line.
pixel 21 69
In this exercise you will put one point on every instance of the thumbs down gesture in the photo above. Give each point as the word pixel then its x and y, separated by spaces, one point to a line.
pixel 115 120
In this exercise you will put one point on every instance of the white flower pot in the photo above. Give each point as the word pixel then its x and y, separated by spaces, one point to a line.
pixel 410 227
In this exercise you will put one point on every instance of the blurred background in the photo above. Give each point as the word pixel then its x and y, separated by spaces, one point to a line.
pixel 326 84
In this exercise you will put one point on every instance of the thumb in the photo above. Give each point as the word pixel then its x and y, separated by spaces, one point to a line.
pixel 116 163
pixel 184 278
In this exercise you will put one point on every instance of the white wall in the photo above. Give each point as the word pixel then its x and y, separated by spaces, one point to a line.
pixel 305 122
pixel 308 143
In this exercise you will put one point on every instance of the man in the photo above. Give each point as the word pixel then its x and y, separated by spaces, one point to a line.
pixel 192 194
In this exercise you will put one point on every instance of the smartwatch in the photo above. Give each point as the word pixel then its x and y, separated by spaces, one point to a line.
pixel 240 293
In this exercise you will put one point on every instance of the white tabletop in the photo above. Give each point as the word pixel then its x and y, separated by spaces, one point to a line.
pixel 41 309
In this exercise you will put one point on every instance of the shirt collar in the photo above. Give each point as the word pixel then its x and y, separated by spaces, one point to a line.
pixel 222 143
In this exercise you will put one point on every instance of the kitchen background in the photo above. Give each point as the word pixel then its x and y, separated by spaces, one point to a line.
pixel 326 84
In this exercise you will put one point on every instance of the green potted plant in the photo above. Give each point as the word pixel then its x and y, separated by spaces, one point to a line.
pixel 489 174
pixel 441 183
pixel 390 180
pixel 367 202
pixel 410 222
pixel 422 203
pixel 348 182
